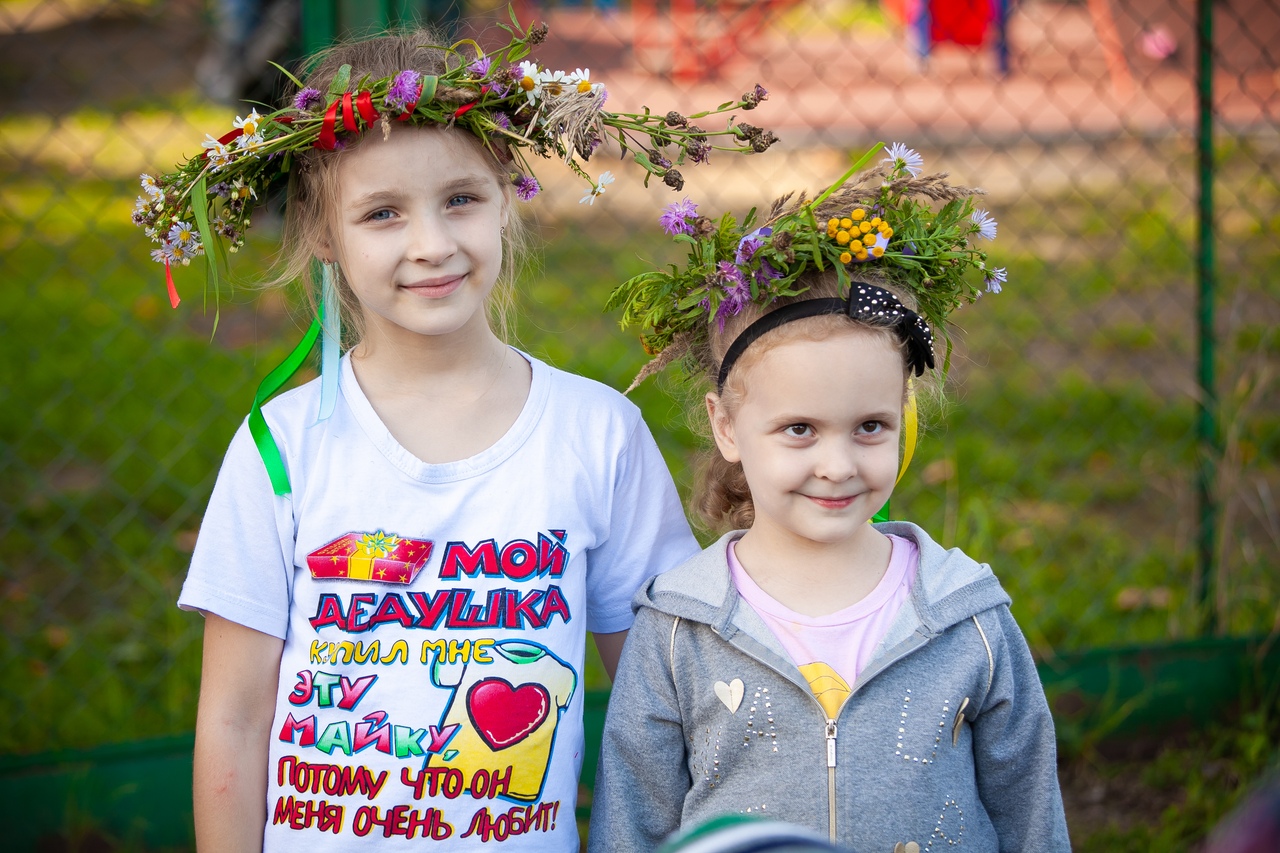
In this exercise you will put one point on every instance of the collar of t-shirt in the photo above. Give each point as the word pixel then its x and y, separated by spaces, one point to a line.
pixel 845 640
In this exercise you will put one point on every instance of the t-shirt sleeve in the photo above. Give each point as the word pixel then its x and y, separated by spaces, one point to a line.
pixel 648 534
pixel 242 565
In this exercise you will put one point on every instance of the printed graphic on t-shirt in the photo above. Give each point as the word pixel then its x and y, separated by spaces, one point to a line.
pixel 506 708
pixel 827 685
pixel 414 716
pixel 376 556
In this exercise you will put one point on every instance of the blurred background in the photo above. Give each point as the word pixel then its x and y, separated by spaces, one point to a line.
pixel 1109 443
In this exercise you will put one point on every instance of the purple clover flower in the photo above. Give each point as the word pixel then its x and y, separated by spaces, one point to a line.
pixel 502 120
pixel 403 90
pixel 307 100
pixel 527 187
pixel 677 217
pixel 750 244
pixel 737 291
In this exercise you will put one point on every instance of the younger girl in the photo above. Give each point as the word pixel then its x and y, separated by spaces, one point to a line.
pixel 400 560
pixel 854 678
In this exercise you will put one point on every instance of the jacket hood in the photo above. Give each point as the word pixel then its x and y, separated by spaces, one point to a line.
pixel 949 587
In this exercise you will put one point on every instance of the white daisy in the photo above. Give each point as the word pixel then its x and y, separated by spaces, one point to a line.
pixel 249 143
pixel 902 157
pixel 581 80
pixel 597 189
pixel 985 224
pixel 218 153
pixel 529 79
pixel 184 233
pixel 150 187
pixel 250 123
pixel 554 83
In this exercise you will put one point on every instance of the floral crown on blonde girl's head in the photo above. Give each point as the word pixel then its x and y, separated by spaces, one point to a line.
pixel 510 103
pixel 889 225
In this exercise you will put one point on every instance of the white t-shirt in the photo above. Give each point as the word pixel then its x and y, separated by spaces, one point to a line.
pixel 434 617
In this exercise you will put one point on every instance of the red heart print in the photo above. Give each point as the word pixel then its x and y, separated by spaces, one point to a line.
pixel 504 715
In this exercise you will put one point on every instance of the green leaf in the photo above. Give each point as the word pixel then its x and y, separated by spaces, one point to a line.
pixel 340 82
pixel 429 85
pixel 285 71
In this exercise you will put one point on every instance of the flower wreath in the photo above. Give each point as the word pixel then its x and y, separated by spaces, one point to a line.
pixel 880 227
pixel 509 102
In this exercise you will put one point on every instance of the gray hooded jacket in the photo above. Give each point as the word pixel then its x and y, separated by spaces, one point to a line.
pixel 946 739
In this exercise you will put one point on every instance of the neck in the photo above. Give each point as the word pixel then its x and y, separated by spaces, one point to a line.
pixel 814 578
pixel 428 362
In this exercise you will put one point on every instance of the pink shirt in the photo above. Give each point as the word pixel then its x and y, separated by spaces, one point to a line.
pixel 831 650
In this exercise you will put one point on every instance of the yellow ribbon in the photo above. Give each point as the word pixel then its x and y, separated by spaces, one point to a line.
pixel 910 426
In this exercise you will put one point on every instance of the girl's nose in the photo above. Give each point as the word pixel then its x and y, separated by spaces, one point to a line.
pixel 430 240
pixel 837 461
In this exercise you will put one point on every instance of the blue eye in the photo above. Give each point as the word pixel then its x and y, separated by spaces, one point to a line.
pixel 380 215
pixel 460 200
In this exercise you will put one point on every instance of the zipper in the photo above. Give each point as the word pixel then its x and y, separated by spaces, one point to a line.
pixel 831 779
pixel 831 730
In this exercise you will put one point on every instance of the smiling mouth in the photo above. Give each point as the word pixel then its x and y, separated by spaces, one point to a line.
pixel 435 288
pixel 832 503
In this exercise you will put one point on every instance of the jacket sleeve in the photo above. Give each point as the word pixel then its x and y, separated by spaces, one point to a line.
pixel 1015 753
pixel 643 776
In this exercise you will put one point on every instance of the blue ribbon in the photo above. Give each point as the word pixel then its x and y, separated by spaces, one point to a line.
pixel 330 342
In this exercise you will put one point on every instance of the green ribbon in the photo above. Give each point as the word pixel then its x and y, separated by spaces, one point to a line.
pixel 274 381
pixel 882 515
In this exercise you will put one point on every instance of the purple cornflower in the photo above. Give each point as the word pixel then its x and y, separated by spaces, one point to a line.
pixel 698 149
pixel 750 244
pixel 677 217
pixel 403 90
pixel 481 66
pixel 737 292
pixel 527 187
pixel 502 120
pixel 766 273
pixel 307 100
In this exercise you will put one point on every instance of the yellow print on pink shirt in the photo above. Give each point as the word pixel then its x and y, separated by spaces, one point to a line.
pixel 507 708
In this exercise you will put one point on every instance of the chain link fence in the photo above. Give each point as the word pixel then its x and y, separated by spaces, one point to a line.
pixel 1068 456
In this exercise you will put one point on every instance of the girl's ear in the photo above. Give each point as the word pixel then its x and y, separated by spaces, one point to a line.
pixel 722 428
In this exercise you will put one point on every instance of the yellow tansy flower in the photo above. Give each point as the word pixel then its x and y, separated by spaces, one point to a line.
pixel 864 227
pixel 878 252
pixel 846 223
pixel 858 215
pixel 869 240
pixel 845 257
pixel 842 237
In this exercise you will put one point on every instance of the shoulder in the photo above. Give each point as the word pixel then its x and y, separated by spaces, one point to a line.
pixel 571 392
pixel 948 577
pixel 295 409
pixel 696 589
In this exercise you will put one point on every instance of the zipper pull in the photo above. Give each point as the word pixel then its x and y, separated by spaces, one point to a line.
pixel 831 743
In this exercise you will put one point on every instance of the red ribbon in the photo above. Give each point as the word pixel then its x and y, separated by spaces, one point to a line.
pixel 328 139
pixel 364 103
pixel 348 114
pixel 173 291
